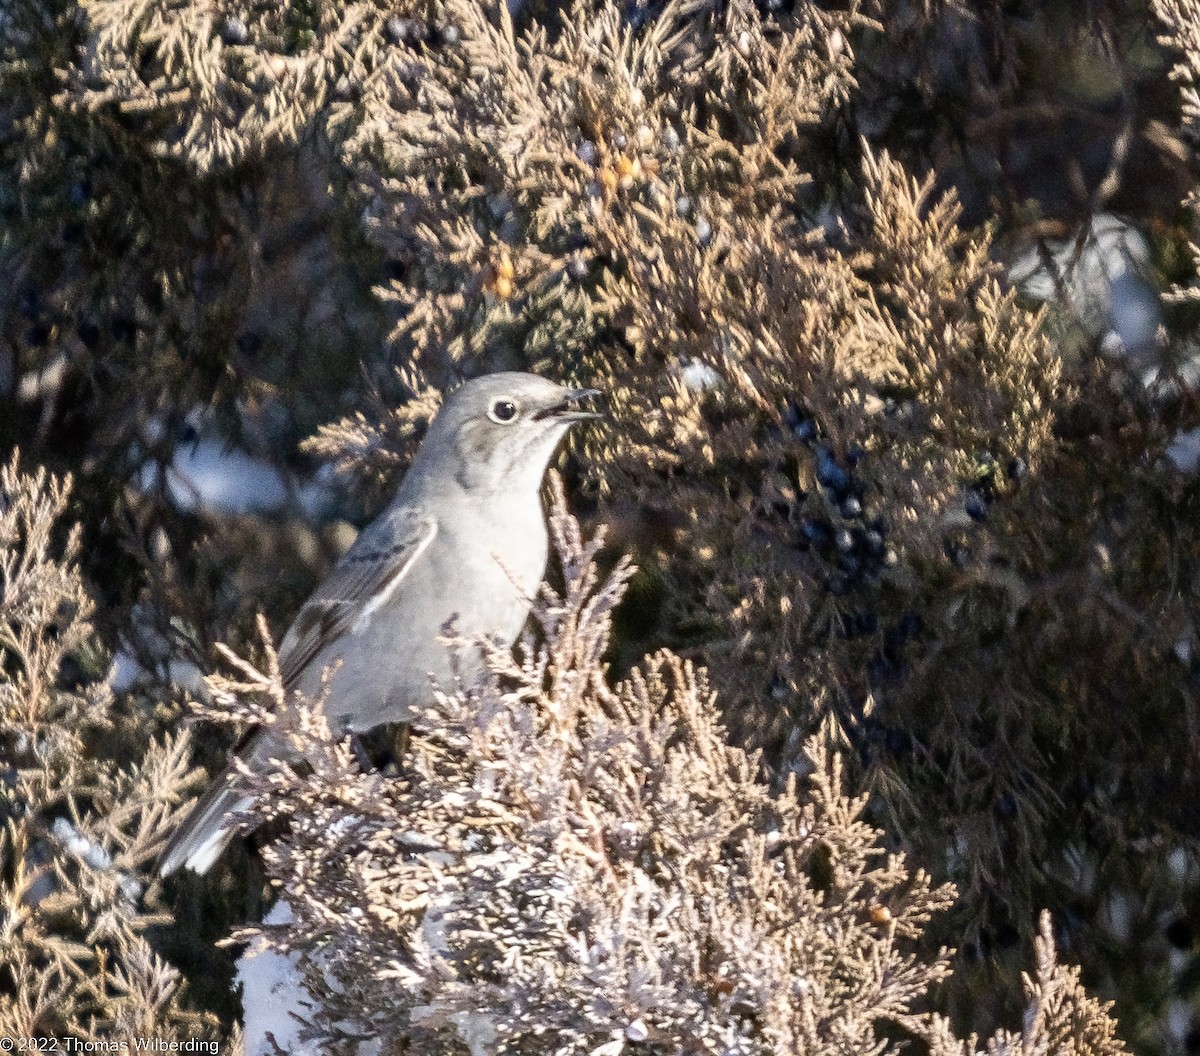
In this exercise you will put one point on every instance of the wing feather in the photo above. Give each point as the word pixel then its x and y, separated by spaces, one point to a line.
pixel 366 575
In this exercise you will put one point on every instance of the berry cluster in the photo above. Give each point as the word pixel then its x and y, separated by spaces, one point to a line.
pixel 852 540
pixel 986 484
pixel 843 531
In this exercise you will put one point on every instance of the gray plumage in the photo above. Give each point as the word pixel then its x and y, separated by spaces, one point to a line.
pixel 463 540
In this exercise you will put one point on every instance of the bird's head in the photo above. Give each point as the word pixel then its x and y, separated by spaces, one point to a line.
pixel 501 430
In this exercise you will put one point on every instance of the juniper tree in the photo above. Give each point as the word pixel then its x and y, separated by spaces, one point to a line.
pixel 84 808
pixel 866 486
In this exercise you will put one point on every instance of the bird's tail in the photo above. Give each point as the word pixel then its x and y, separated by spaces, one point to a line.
pixel 207 830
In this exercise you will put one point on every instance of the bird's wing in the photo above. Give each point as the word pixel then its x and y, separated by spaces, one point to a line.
pixel 365 578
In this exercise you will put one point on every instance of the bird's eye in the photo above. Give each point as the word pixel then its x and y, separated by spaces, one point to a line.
pixel 503 411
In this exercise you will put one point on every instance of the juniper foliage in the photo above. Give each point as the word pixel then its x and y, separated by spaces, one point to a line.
pixel 83 811
pixel 565 865
pixel 865 485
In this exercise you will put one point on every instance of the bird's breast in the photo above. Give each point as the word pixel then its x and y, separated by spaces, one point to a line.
pixel 496 565
pixel 477 578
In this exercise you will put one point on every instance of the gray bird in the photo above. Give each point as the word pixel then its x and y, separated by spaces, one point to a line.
pixel 464 540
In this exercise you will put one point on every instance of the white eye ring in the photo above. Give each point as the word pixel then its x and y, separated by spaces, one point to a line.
pixel 504 411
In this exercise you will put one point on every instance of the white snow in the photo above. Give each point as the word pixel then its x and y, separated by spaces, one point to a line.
pixel 208 473
pixel 1104 280
pixel 1184 451
pixel 274 1000
pixel 211 476
pixel 698 377
pixel 273 995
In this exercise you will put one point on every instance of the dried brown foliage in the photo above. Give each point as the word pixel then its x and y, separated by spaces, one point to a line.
pixel 578 198
pixel 82 816
pixel 763 228
pixel 1059 1016
pixel 561 864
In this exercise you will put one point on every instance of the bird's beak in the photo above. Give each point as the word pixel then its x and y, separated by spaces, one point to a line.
pixel 568 409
